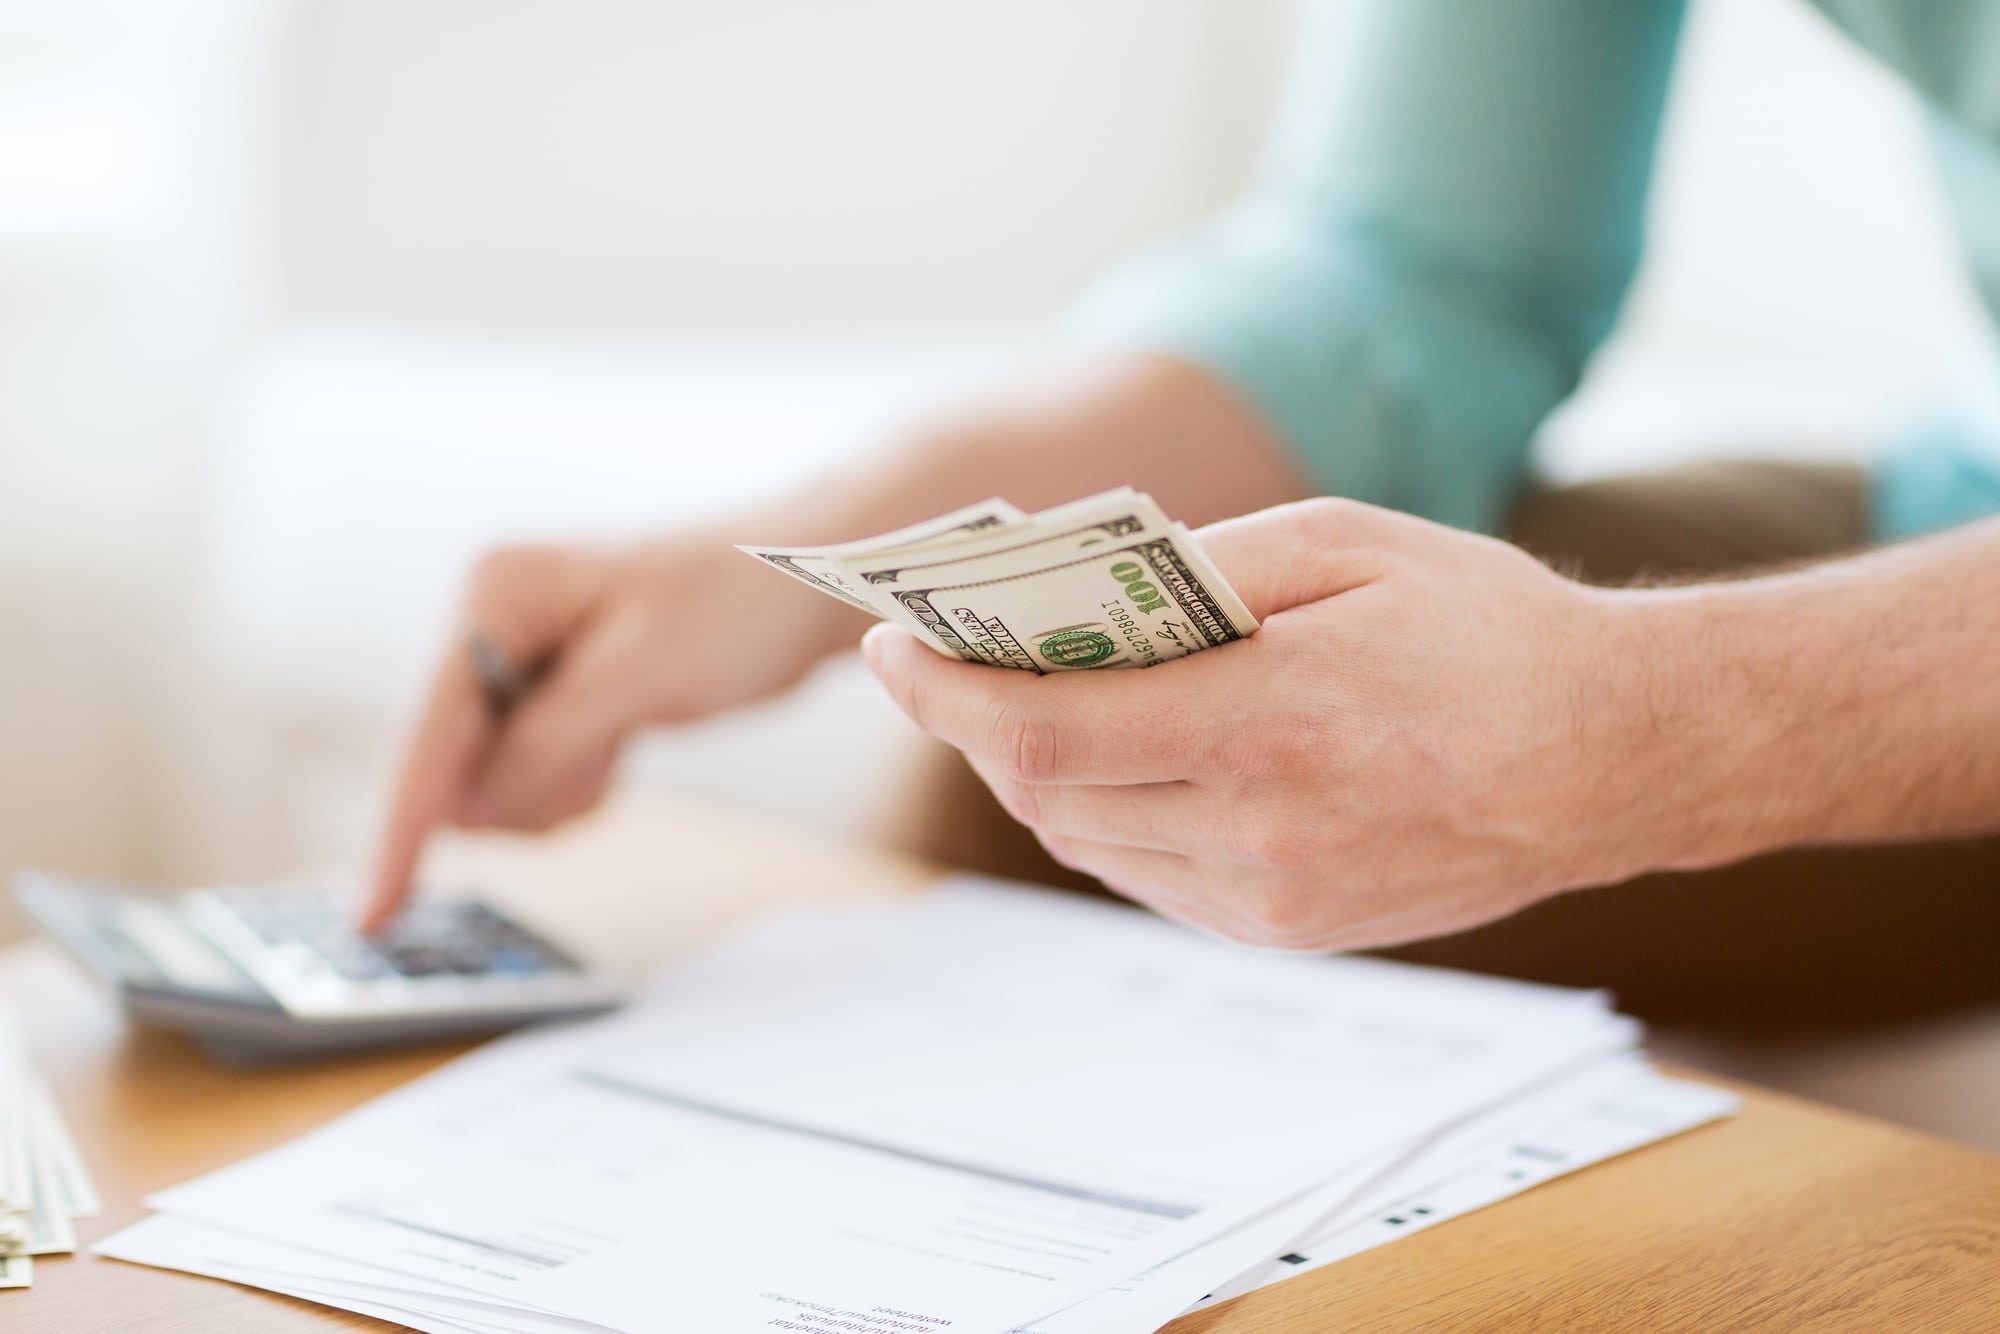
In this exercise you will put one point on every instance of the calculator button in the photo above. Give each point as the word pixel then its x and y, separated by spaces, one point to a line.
pixel 270 927
pixel 297 957
pixel 469 960
pixel 555 960
pixel 517 961
pixel 419 961
pixel 355 961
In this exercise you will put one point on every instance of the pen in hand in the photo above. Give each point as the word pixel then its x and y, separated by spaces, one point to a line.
pixel 563 652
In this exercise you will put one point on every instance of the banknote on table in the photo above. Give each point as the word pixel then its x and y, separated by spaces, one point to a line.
pixel 44 1187
pixel 1107 581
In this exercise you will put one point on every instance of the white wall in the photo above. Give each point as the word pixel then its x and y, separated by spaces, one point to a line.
pixel 1802 291
pixel 128 250
pixel 637 166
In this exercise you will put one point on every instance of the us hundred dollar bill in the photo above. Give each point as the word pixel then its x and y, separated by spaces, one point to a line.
pixel 1104 582
pixel 815 566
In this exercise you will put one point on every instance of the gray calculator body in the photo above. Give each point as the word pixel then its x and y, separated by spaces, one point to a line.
pixel 270 973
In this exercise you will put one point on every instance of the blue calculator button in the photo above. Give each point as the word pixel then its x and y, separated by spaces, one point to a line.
pixel 518 960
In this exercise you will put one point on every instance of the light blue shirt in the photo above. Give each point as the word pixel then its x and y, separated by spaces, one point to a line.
pixel 1450 213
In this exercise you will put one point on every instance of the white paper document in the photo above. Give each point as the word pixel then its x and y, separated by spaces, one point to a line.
pixel 1605 1106
pixel 984 1109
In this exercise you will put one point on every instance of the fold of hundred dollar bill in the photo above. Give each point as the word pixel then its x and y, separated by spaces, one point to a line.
pixel 1107 581
pixel 814 566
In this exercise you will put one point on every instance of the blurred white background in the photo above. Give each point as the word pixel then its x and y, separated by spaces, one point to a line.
pixel 302 302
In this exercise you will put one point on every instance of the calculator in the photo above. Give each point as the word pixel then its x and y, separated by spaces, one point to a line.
pixel 269 972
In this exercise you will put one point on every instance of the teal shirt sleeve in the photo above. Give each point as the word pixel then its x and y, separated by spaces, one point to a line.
pixel 1446 220
pixel 1943 468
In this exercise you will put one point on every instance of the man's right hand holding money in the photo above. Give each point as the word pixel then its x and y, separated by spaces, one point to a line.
pixel 1432 729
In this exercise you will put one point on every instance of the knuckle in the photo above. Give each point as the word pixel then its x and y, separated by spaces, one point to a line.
pixel 1064 852
pixel 501 573
pixel 531 805
pixel 1243 843
pixel 1023 801
pixel 1320 512
pixel 1285 917
pixel 1292 747
pixel 501 565
pixel 1288 751
pixel 1352 520
pixel 1331 522
pixel 535 820
pixel 506 807
pixel 1027 747
pixel 1334 527
pixel 1275 843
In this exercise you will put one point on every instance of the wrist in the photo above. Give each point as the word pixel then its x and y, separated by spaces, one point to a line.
pixel 790 623
pixel 1709 728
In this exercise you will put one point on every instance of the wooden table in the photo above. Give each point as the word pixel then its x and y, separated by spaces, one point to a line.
pixel 1790 1216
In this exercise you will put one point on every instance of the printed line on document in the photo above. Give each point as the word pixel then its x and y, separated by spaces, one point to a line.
pixel 526 1257
pixel 1157 1208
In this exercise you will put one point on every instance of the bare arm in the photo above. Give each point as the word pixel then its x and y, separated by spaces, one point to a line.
pixel 1856 701
pixel 1154 423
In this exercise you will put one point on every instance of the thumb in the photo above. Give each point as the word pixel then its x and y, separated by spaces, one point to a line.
pixel 1293 554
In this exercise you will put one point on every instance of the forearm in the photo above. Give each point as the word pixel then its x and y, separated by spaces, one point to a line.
pixel 1154 424
pixel 1858 701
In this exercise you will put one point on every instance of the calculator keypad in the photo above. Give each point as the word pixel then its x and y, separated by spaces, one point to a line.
pixel 302 945
pixel 430 939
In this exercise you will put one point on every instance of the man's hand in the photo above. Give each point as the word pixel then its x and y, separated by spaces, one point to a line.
pixel 1431 730
pixel 609 639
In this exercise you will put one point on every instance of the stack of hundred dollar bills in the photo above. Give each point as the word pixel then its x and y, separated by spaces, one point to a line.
pixel 1107 581
pixel 43 1184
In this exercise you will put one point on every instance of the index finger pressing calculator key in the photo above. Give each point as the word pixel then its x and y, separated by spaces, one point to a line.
pixel 272 972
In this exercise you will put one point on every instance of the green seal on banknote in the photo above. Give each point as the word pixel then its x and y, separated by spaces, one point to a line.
pixel 1078 648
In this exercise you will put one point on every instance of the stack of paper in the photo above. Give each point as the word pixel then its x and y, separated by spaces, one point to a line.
pixel 43 1184
pixel 990 1108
